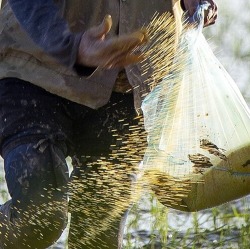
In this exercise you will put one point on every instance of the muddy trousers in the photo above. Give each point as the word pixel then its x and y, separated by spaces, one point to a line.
pixel 37 212
pixel 38 131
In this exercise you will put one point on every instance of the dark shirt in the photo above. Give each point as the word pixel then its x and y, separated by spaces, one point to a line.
pixel 42 21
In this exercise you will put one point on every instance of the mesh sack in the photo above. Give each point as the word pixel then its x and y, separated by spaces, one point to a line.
pixel 197 121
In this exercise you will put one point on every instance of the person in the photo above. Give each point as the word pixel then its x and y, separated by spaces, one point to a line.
pixel 68 70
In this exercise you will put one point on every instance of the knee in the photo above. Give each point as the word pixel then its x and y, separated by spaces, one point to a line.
pixel 37 228
pixel 47 227
pixel 38 212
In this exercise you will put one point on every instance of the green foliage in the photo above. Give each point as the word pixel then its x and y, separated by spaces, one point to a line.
pixel 226 226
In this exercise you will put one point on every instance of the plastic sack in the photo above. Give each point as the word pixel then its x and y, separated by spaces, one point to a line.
pixel 198 124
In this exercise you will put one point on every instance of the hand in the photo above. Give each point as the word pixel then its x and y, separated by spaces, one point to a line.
pixel 96 50
pixel 210 14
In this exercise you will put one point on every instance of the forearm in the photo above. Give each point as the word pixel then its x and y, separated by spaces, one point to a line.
pixel 42 21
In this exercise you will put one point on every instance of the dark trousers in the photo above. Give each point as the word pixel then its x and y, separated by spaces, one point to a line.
pixel 38 131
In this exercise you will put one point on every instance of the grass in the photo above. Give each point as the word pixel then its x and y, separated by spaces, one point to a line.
pixel 226 226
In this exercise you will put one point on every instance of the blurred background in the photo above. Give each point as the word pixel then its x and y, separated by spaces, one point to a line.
pixel 229 38
pixel 226 226
pixel 151 225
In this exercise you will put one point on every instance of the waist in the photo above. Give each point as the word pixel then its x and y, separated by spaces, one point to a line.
pixel 122 84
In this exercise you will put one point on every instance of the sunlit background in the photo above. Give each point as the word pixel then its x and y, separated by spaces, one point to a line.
pixel 227 226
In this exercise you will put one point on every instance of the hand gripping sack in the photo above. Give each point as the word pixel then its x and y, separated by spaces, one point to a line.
pixel 198 127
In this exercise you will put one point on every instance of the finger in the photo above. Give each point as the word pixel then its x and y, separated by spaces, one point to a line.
pixel 101 30
pixel 144 31
pixel 141 35
pixel 107 24
pixel 127 43
pixel 211 15
pixel 128 60
pixel 122 60
pixel 210 20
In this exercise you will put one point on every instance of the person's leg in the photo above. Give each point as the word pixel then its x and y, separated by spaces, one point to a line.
pixel 101 180
pixel 37 213
pixel 33 145
pixel 98 204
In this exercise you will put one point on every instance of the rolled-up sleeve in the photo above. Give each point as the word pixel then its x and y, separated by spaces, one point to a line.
pixel 42 21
